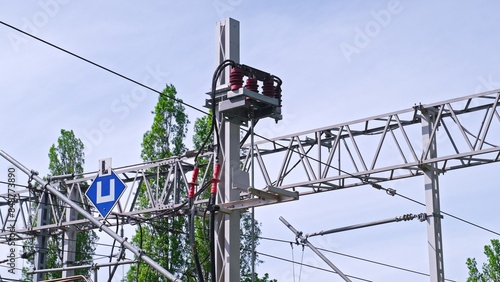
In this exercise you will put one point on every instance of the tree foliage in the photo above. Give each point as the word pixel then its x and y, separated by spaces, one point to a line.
pixel 169 128
pixel 264 278
pixel 491 268
pixel 67 157
pixel 163 239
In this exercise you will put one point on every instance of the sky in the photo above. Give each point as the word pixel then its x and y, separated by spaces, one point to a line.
pixel 339 61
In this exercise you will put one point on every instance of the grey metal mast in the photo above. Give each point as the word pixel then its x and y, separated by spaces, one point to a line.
pixel 43 219
pixel 228 231
pixel 70 237
pixel 432 201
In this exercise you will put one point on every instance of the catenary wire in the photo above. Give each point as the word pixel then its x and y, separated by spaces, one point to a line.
pixel 182 102
pixel 100 66
pixel 354 257
pixel 132 80
pixel 310 266
pixel 188 105
pixel 301 262
pixel 443 212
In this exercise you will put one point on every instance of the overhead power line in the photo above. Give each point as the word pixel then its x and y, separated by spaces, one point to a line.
pixel 100 66
pixel 353 257
pixel 204 112
pixel 393 192
pixel 310 266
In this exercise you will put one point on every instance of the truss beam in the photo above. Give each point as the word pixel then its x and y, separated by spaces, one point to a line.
pixel 382 148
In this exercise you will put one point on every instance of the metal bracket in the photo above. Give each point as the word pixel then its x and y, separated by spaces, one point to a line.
pixel 240 103
pixel 271 192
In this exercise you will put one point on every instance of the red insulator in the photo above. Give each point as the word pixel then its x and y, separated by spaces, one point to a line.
pixel 192 184
pixel 215 179
pixel 252 85
pixel 236 78
pixel 277 94
pixel 268 88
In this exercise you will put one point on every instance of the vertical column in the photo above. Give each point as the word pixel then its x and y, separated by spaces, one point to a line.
pixel 70 236
pixel 434 235
pixel 42 237
pixel 228 231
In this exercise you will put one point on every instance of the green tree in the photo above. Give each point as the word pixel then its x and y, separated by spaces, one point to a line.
pixel 264 278
pixel 164 239
pixel 491 268
pixel 67 157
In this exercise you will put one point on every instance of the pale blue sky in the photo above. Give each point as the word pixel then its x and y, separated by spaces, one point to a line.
pixel 400 53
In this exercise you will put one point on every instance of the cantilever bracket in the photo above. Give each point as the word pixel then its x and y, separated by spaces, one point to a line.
pixel 271 192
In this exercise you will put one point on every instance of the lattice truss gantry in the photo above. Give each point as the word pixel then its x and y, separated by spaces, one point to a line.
pixel 365 151
pixel 465 131
pixel 164 198
pixel 386 147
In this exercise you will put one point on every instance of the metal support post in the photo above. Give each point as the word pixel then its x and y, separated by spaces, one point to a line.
pixel 70 236
pixel 252 185
pixel 434 235
pixel 123 241
pixel 228 234
pixel 42 237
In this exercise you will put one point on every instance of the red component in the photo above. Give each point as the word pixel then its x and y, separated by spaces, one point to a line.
pixel 215 179
pixel 192 184
pixel 252 85
pixel 268 87
pixel 236 79
pixel 277 94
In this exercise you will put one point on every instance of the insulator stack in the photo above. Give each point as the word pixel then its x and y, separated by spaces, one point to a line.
pixel 236 79
pixel 268 88
pixel 277 94
pixel 192 184
pixel 252 85
pixel 215 179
